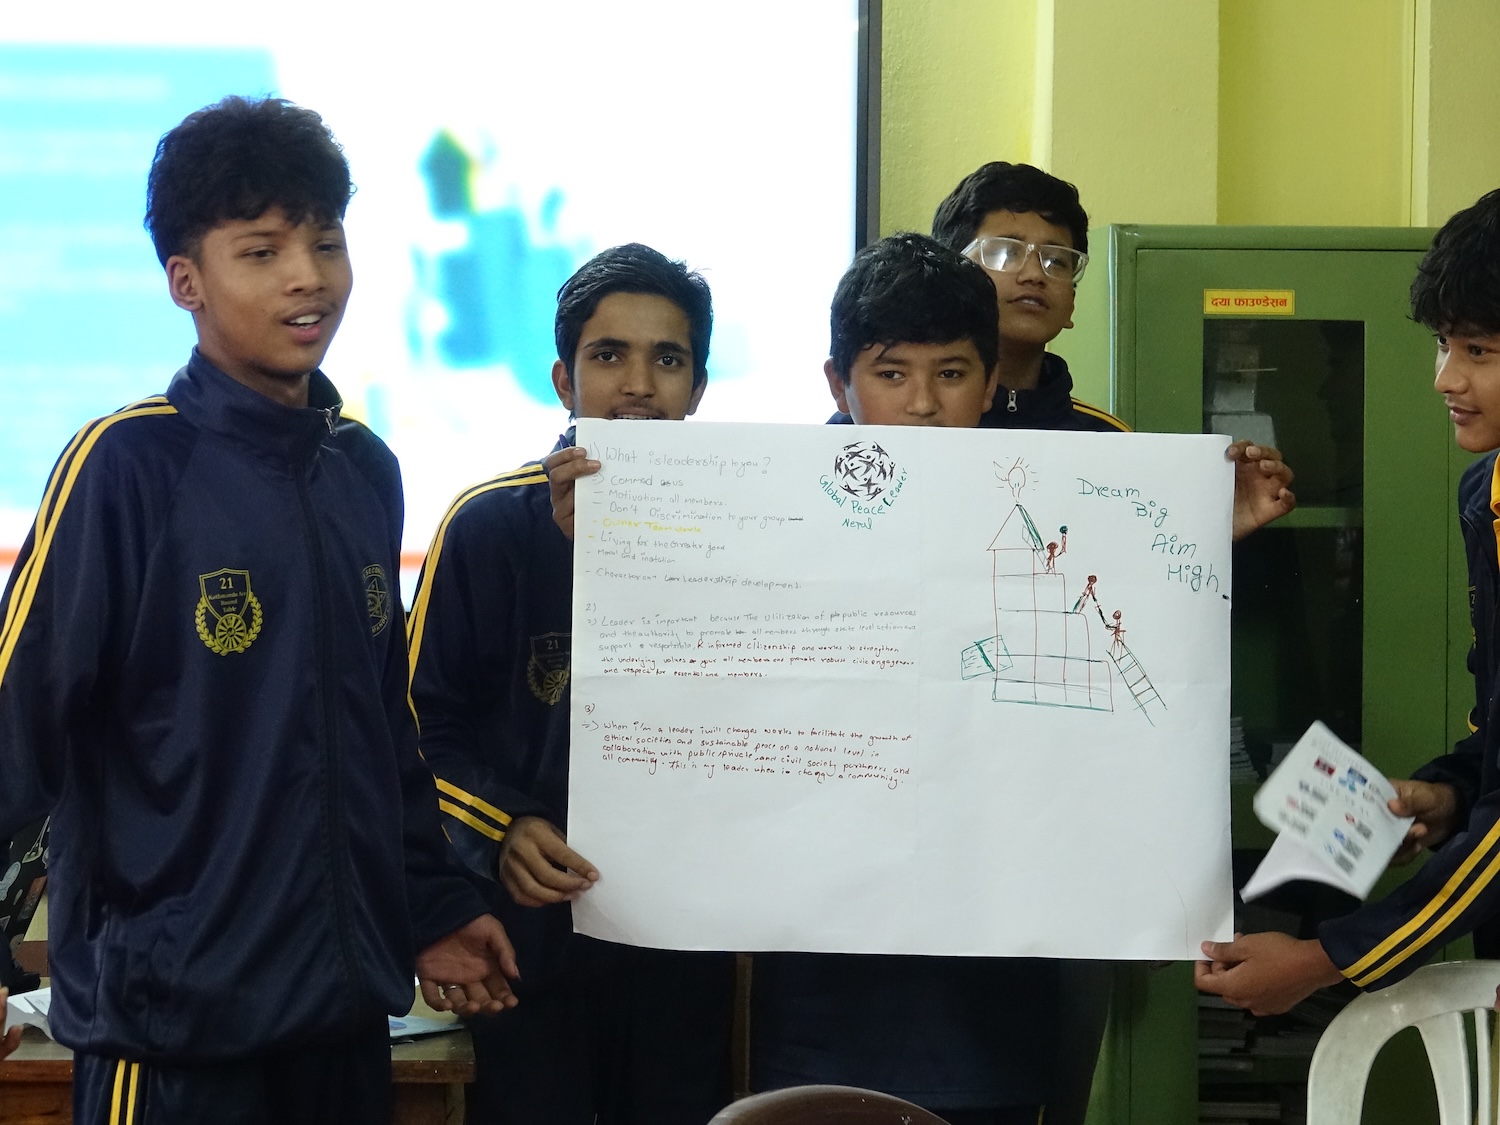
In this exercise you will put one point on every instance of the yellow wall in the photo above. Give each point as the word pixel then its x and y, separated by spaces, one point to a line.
pixel 1315 112
pixel 1322 112
pixel 956 90
pixel 1456 96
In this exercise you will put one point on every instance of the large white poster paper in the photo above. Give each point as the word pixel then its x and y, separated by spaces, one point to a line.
pixel 902 690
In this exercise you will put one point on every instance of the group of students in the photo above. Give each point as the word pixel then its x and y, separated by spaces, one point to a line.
pixel 205 681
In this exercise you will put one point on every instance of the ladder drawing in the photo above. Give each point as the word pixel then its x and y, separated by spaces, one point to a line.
pixel 1044 650
pixel 1132 672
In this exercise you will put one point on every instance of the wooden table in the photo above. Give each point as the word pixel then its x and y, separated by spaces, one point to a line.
pixel 428 1076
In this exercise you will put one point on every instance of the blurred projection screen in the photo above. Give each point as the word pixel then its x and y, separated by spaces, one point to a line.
pixel 495 147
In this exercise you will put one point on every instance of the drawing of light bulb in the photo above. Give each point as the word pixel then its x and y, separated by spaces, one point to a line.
pixel 1017 476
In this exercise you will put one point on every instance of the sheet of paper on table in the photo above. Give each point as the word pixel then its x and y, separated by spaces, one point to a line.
pixel 406 1028
pixel 902 690
pixel 29 1009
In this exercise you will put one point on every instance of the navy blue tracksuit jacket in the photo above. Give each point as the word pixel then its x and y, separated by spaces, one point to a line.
pixel 203 675
pixel 1456 891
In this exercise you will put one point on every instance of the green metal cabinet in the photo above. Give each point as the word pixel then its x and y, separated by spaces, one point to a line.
pixel 1351 609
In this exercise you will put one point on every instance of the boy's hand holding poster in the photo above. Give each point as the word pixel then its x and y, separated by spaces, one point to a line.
pixel 870 689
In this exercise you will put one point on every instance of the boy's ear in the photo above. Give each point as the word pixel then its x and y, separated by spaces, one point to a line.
pixel 992 384
pixel 184 282
pixel 562 383
pixel 837 387
pixel 696 398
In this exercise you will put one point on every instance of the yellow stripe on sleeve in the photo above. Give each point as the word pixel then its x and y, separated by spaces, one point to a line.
pixel 472 821
pixel 40 526
pixel 1103 415
pixel 1439 926
pixel 500 817
pixel 417 625
pixel 1362 968
pixel 114 1106
pixel 24 591
pixel 527 474
pixel 135 1076
pixel 43 512
pixel 1495 502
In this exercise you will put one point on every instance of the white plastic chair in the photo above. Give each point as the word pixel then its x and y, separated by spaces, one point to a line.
pixel 1434 1000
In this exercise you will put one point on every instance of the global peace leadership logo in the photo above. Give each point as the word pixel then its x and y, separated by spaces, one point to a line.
pixel 865 482
pixel 864 470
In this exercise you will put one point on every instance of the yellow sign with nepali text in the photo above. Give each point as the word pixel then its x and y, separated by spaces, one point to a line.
pixel 1250 302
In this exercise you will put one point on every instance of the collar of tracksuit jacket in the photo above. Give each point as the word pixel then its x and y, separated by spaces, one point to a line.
pixel 286 436
pixel 1045 406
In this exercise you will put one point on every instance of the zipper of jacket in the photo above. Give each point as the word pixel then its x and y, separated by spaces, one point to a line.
pixel 1011 405
pixel 335 840
pixel 1477 540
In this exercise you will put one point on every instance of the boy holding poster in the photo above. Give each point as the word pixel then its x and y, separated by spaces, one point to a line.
pixel 916 342
pixel 606 1032
pixel 1455 798
pixel 1029 230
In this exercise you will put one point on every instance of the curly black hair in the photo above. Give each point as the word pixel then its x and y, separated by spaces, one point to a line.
pixel 1457 287
pixel 237 159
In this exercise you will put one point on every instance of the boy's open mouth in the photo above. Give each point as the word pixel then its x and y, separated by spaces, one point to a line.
pixel 307 324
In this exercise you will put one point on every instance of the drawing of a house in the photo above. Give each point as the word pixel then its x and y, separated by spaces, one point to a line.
pixel 1042 648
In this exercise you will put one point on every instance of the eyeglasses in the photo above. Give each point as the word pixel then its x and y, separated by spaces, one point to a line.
pixel 1008 255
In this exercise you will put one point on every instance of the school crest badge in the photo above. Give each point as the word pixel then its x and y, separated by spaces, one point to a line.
pixel 550 665
pixel 377 599
pixel 229 615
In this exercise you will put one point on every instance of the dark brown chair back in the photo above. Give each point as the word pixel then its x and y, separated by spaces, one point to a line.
pixel 824 1105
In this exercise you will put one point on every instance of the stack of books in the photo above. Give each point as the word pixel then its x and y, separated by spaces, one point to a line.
pixel 1241 768
pixel 1253 1069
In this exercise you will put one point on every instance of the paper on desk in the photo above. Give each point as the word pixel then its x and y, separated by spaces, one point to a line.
pixel 902 690
pixel 1328 805
pixel 420 1027
pixel 29 1009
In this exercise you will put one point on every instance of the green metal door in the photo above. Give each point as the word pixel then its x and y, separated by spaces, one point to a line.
pixel 1404 502
pixel 1352 609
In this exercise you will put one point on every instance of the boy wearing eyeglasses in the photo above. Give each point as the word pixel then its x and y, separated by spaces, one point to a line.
pixel 1029 230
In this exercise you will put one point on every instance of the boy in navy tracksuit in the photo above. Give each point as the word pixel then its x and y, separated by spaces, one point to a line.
pixel 916 341
pixel 993 216
pixel 1455 798
pixel 203 679
pixel 607 1033
pixel 1029 230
